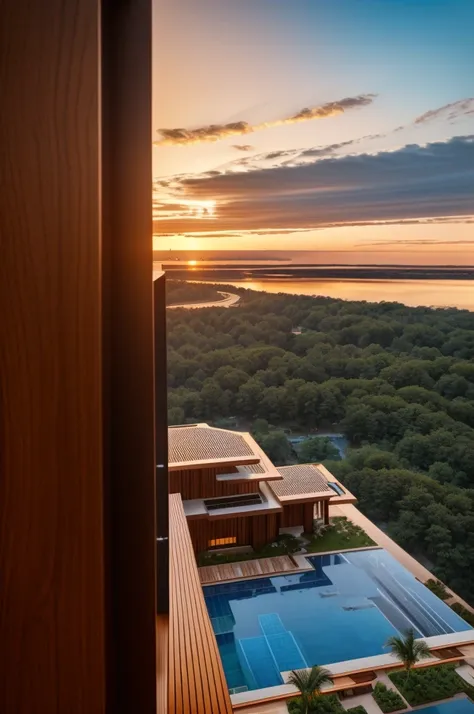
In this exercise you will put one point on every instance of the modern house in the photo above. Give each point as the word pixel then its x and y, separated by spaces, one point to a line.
pixel 233 495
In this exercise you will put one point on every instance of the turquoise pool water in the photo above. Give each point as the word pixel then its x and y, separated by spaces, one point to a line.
pixel 345 608
pixel 455 706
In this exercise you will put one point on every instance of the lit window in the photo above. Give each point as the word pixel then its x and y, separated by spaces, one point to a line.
pixel 232 540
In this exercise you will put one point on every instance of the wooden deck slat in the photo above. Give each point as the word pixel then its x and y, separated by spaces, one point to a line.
pixel 197 683
pixel 209 574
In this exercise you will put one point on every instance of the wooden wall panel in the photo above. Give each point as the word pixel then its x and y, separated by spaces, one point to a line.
pixel 264 529
pixel 202 483
pixel 254 530
pixel 299 514
pixel 52 590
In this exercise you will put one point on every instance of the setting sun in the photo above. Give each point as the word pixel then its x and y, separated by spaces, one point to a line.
pixel 192 262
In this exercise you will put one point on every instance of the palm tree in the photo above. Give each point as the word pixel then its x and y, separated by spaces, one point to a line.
pixel 309 683
pixel 408 650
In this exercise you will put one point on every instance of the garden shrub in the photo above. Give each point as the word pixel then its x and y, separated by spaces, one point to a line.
pixel 430 684
pixel 321 704
pixel 387 699
pixel 463 612
pixel 438 588
pixel 357 710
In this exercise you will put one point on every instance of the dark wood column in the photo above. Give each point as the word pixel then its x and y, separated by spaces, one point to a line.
pixel 161 442
pixel 308 517
pixel 326 511
pixel 129 348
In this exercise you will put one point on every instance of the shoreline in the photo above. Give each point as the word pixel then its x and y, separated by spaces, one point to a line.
pixel 308 272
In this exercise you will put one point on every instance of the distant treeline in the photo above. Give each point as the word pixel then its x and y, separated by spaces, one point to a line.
pixel 398 379
pixel 294 272
pixel 182 293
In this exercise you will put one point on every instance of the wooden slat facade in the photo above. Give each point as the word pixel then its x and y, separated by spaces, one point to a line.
pixel 298 514
pixel 256 531
pixel 197 683
pixel 202 483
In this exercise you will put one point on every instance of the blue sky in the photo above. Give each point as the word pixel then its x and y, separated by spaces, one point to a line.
pixel 360 68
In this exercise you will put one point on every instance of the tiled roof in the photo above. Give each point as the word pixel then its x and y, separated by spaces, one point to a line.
pixel 203 443
pixel 301 480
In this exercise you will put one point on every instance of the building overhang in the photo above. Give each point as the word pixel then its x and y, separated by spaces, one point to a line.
pixel 213 463
pixel 196 508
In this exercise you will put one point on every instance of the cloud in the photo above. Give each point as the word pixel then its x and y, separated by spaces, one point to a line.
pixel 452 111
pixel 215 132
pixel 243 147
pixel 413 182
pixel 332 108
pixel 414 242
pixel 301 154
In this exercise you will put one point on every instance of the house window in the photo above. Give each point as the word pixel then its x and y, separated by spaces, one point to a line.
pixel 217 542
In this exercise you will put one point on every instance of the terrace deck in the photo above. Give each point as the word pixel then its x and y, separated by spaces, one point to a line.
pixel 209 574
pixel 197 683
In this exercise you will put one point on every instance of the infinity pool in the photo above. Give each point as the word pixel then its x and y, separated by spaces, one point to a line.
pixel 455 706
pixel 345 608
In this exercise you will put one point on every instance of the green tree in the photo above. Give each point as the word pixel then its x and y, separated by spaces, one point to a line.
pixel 441 471
pixel 175 415
pixel 249 397
pixel 317 449
pixel 309 683
pixel 276 446
pixel 260 426
pixel 408 650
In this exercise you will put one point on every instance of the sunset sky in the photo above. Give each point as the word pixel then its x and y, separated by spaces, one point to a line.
pixel 344 127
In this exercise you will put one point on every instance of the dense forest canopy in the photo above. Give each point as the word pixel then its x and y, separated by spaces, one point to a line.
pixel 397 381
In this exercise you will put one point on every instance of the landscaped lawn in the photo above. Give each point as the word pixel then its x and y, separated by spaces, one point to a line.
pixel 430 684
pixel 340 535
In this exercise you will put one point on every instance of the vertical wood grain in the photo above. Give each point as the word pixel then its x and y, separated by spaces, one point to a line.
pixel 52 638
